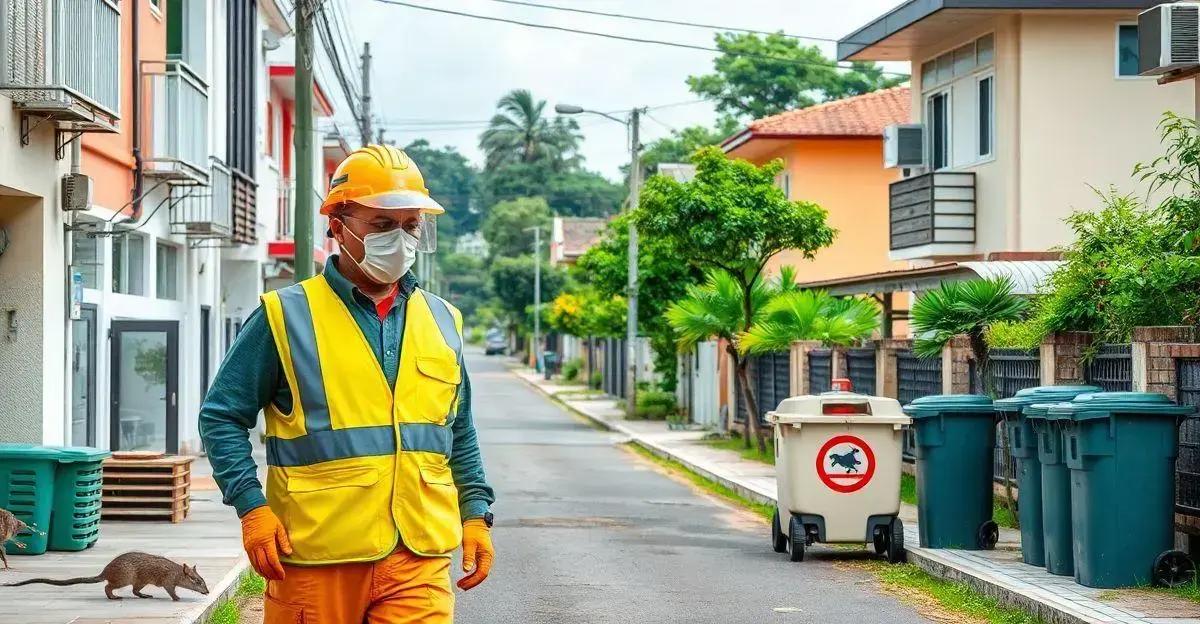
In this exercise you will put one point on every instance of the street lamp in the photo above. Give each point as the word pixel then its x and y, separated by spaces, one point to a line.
pixel 539 365
pixel 631 294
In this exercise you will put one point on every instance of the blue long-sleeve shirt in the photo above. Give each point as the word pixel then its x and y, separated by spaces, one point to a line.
pixel 252 377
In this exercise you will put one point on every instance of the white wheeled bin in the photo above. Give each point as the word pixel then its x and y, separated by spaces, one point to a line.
pixel 837 466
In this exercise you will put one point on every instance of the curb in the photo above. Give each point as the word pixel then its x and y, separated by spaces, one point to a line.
pixel 927 560
pixel 225 589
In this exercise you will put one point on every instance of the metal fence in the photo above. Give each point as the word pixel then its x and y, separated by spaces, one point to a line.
pixel 1014 370
pixel 860 367
pixel 820 370
pixel 614 366
pixel 1111 368
pixel 1187 465
pixel 915 378
pixel 770 378
pixel 86 49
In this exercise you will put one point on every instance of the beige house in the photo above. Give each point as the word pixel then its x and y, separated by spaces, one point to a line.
pixel 571 237
pixel 1029 108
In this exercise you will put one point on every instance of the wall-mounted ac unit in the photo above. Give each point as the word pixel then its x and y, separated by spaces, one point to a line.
pixel 76 191
pixel 903 146
pixel 1169 38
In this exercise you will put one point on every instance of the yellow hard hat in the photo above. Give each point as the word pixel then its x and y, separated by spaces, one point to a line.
pixel 379 176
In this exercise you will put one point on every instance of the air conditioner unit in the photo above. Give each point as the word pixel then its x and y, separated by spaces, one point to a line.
pixel 903 146
pixel 76 191
pixel 1169 38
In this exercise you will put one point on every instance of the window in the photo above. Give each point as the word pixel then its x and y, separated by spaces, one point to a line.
pixel 129 254
pixel 961 61
pixel 86 259
pixel 1127 50
pixel 166 264
pixel 986 105
pixel 937 113
pixel 783 182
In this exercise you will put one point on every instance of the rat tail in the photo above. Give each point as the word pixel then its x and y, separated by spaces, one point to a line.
pixel 80 580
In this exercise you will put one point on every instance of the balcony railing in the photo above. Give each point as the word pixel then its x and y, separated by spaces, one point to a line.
pixel 177 148
pixel 81 90
pixel 283 224
pixel 933 209
pixel 204 211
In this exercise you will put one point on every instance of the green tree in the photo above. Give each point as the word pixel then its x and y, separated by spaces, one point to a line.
pixel 731 217
pixel 749 81
pixel 506 225
pixel 451 181
pixel 520 132
pixel 512 280
pixel 582 193
pixel 679 146
pixel 464 282
pixel 811 315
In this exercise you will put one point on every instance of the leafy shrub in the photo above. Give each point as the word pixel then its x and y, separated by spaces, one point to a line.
pixel 571 369
pixel 1025 334
pixel 597 379
pixel 475 336
pixel 655 405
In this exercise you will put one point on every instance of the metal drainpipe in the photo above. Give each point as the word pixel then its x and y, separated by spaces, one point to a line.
pixel 135 120
pixel 69 325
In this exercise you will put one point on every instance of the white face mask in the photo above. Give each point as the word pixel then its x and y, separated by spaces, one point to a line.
pixel 386 255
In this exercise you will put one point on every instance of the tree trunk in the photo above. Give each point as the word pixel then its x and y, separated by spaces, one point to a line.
pixel 752 430
pixel 983 370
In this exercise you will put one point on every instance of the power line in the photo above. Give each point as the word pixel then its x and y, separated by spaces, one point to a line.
pixel 674 44
pixel 656 20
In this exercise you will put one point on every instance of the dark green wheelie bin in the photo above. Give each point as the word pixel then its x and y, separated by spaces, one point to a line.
pixel 78 484
pixel 956 437
pixel 1056 489
pixel 1023 441
pixel 1121 449
pixel 27 490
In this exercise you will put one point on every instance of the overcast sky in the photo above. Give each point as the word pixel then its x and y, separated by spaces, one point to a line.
pixel 433 72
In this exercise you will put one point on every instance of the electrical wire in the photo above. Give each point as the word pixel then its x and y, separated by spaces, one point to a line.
pixel 639 18
pixel 674 44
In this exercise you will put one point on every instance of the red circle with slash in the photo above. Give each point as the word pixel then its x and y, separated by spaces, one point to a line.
pixel 839 471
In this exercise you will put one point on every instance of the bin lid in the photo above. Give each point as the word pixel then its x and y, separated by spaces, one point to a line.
pixel 1042 394
pixel 80 453
pixel 835 404
pixel 13 450
pixel 937 404
pixel 1041 411
pixel 1105 404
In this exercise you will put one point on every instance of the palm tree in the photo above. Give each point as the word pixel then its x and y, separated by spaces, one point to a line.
pixel 520 132
pixel 811 315
pixel 718 309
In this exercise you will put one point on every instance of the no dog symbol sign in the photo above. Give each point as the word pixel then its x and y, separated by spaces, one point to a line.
pixel 845 463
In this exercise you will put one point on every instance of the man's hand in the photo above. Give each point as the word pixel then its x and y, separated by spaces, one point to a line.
pixel 477 553
pixel 264 537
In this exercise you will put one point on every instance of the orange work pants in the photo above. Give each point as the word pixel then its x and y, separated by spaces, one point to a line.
pixel 400 589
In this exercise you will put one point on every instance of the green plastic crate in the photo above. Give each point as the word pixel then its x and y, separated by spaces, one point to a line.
pixel 78 485
pixel 27 490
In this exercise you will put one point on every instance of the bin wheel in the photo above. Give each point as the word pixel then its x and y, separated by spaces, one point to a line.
pixel 1173 569
pixel 779 540
pixel 881 540
pixel 895 546
pixel 798 539
pixel 989 534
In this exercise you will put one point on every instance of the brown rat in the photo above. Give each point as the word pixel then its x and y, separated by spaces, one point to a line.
pixel 10 527
pixel 139 570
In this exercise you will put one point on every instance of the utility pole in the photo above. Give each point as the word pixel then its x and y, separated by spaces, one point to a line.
pixel 303 219
pixel 365 124
pixel 631 315
pixel 379 135
pixel 537 294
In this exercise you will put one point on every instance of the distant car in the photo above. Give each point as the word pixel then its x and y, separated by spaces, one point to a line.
pixel 494 343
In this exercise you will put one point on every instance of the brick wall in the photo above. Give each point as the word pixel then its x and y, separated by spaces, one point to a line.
pixel 956 366
pixel 1154 351
pixel 1061 354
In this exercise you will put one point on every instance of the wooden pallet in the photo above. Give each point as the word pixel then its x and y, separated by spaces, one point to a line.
pixel 147 489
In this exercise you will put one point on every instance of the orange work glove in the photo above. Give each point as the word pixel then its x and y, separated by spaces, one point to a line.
pixel 477 553
pixel 263 537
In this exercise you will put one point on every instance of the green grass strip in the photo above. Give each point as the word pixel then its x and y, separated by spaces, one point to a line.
pixel 1000 514
pixel 229 611
pixel 704 483
pixel 738 445
pixel 951 596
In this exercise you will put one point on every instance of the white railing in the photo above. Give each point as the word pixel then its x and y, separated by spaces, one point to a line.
pixel 283 225
pixel 86 50
pixel 205 212
pixel 179 118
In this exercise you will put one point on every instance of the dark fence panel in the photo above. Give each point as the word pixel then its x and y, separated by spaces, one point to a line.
pixel 1014 370
pixel 770 377
pixel 860 366
pixel 915 378
pixel 614 366
pixel 1187 465
pixel 1111 368
pixel 820 370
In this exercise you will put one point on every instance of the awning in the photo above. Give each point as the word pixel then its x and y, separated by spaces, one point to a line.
pixel 1026 276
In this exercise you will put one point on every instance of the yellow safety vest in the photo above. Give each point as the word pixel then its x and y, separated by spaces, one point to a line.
pixel 356 464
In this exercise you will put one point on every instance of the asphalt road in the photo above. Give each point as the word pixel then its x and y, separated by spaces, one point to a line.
pixel 588 532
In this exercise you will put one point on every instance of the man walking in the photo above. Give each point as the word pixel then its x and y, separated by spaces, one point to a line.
pixel 374 475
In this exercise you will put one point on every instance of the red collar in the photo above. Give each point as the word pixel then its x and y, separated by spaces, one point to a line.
pixel 384 305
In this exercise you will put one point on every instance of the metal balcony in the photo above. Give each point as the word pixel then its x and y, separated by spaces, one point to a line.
pixel 283 223
pixel 932 214
pixel 80 91
pixel 177 146
pixel 204 212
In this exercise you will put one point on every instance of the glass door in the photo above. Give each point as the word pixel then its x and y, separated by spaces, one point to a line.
pixel 83 377
pixel 145 386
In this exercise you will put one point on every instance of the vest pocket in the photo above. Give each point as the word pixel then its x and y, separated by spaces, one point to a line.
pixel 440 377
pixel 440 528
pixel 337 513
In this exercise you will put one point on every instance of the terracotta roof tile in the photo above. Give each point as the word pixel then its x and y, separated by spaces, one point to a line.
pixel 580 234
pixel 861 115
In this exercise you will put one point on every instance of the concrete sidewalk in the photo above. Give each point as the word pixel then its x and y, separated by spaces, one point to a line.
pixel 210 538
pixel 999 573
